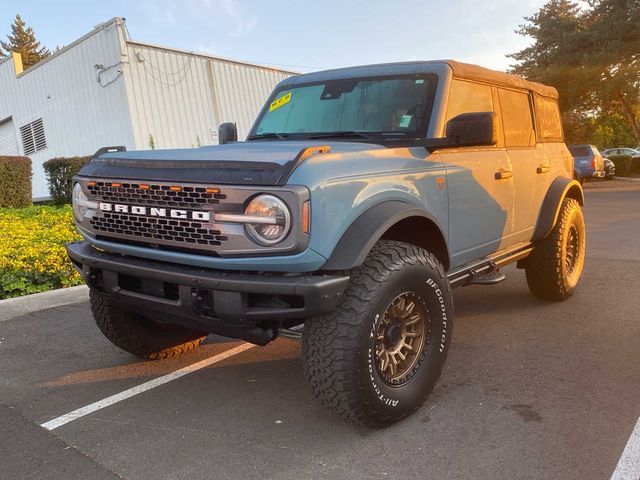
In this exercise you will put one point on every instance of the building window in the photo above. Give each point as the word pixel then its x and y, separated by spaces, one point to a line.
pixel 33 137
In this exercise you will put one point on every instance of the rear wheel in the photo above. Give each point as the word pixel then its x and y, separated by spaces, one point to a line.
pixel 377 356
pixel 140 335
pixel 554 267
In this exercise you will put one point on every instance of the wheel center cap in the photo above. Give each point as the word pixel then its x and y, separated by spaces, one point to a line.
pixel 392 335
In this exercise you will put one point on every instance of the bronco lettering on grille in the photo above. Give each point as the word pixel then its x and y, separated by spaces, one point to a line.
pixel 156 212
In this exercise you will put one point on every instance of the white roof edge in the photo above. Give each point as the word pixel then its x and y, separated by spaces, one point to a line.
pixel 96 29
pixel 121 21
pixel 212 57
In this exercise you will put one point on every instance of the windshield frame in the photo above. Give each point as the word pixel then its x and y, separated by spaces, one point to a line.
pixel 374 137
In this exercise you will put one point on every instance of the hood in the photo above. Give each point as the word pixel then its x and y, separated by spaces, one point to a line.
pixel 242 163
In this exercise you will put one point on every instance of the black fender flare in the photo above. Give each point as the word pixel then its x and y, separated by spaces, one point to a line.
pixel 358 240
pixel 560 188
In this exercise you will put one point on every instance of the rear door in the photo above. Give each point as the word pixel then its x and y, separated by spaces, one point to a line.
pixel 479 184
pixel 529 161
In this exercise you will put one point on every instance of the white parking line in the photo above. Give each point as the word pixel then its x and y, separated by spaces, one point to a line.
pixel 629 464
pixel 156 382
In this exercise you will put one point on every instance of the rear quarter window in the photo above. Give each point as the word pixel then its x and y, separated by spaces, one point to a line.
pixel 548 119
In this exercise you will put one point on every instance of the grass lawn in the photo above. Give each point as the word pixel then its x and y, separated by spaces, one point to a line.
pixel 32 254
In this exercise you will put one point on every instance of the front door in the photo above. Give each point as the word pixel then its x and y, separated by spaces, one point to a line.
pixel 480 195
pixel 479 182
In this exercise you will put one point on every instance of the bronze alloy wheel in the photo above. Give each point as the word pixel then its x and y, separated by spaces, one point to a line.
pixel 573 249
pixel 401 336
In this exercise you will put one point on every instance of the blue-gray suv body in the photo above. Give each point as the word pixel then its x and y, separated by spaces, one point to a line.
pixel 360 197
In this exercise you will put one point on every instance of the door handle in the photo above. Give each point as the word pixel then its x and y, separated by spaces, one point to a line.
pixel 542 169
pixel 502 174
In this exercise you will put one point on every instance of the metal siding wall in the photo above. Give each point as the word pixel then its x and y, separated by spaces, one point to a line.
pixel 242 90
pixel 79 115
pixel 173 99
pixel 170 97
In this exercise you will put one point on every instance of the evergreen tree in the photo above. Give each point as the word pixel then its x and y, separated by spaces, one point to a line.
pixel 591 54
pixel 23 41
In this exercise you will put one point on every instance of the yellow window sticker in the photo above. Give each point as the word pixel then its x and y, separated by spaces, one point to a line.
pixel 278 102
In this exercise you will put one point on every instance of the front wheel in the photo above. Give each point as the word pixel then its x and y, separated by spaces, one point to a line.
pixel 139 334
pixel 554 267
pixel 378 355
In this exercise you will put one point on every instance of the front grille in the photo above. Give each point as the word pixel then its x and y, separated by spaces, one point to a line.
pixel 154 195
pixel 152 229
pixel 143 227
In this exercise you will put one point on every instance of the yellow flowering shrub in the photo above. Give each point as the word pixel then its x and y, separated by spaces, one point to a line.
pixel 32 254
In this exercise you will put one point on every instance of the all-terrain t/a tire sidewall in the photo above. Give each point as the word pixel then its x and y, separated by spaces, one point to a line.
pixel 546 268
pixel 575 219
pixel 394 402
pixel 138 334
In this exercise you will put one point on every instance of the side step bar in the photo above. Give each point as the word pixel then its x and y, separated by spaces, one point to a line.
pixel 490 278
pixel 479 272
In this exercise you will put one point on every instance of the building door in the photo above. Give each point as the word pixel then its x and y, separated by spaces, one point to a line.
pixel 8 144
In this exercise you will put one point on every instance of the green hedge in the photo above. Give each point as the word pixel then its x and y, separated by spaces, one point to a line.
pixel 15 182
pixel 625 165
pixel 60 172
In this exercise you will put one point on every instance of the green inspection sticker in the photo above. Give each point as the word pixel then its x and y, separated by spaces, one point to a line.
pixel 405 120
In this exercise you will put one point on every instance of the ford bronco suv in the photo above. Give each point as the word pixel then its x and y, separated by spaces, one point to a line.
pixel 359 199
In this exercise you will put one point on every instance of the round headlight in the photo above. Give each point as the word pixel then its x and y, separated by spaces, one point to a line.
pixel 272 220
pixel 79 200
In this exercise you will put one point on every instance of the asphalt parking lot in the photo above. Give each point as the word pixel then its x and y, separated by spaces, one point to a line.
pixel 531 390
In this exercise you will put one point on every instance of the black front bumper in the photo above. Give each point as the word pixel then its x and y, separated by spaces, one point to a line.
pixel 222 302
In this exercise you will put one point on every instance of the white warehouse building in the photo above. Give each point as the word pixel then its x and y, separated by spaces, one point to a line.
pixel 105 89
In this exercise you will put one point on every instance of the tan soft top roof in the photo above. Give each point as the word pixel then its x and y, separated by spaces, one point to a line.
pixel 475 72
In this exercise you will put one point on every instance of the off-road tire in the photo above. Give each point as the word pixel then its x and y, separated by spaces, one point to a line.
pixel 139 335
pixel 548 275
pixel 338 349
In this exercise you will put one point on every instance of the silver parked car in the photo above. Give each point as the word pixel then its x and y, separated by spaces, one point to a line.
pixel 621 151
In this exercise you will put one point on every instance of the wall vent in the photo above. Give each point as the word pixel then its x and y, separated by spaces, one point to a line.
pixel 33 139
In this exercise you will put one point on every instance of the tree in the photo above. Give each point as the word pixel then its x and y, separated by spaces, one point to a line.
pixel 591 55
pixel 614 56
pixel 23 41
pixel 611 129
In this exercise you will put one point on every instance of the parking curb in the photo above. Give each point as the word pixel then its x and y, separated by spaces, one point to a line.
pixel 14 307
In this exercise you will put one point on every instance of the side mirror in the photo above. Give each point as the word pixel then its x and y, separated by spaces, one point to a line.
pixel 227 133
pixel 473 129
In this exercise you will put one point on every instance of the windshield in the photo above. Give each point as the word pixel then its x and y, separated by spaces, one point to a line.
pixel 370 108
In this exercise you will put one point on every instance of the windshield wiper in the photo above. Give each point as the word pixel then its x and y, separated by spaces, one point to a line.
pixel 343 133
pixel 279 136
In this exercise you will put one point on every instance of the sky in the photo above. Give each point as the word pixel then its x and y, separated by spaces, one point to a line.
pixel 297 35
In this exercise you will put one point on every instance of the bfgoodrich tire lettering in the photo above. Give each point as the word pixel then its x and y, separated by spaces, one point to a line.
pixel 138 334
pixel 554 267
pixel 340 349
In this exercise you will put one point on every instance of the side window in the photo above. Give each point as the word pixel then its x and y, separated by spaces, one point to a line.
pixel 516 118
pixel 549 122
pixel 466 97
